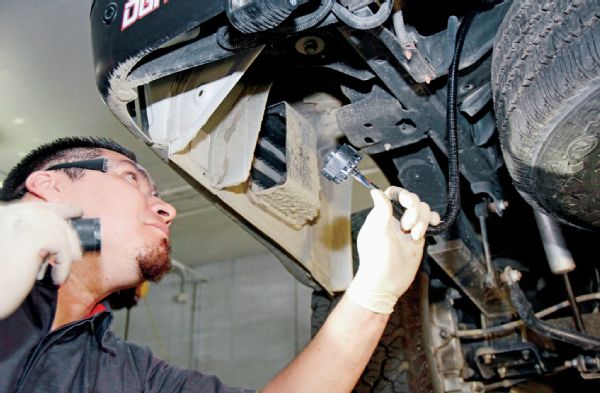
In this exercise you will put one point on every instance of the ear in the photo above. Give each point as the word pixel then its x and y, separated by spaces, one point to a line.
pixel 44 185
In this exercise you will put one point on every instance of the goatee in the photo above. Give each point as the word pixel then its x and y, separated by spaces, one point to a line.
pixel 155 261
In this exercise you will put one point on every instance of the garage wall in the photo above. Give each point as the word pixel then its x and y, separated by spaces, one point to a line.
pixel 249 320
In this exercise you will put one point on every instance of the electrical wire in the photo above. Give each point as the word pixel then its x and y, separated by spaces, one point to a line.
pixel 400 30
pixel 506 327
pixel 452 133
pixel 526 313
pixel 363 22
pixel 301 23
pixel 308 21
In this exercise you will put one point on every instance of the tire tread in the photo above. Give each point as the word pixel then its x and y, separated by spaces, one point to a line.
pixel 545 52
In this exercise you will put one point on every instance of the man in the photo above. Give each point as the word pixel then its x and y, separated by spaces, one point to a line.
pixel 55 336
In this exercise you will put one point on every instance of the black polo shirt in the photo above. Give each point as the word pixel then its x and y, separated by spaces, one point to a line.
pixel 83 356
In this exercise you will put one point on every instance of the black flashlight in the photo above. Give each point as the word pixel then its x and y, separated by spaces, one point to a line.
pixel 88 230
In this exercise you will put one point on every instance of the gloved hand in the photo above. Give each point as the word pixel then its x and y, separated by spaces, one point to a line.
pixel 31 233
pixel 390 251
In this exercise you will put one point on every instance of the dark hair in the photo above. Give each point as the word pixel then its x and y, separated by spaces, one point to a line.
pixel 56 152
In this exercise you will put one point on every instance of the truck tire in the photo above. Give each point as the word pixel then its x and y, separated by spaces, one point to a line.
pixel 403 359
pixel 546 91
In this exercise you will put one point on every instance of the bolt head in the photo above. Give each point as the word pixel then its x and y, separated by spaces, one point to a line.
pixel 511 276
pixel 502 372
pixel 488 358
pixel 110 13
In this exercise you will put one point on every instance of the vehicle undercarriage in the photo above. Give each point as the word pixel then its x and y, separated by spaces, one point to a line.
pixel 245 99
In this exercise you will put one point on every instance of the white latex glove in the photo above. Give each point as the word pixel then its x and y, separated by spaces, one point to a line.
pixel 31 234
pixel 390 251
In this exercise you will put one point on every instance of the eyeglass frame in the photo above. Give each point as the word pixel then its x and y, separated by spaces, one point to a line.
pixel 96 164
pixel 101 165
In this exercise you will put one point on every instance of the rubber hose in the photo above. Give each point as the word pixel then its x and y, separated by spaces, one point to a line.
pixel 363 22
pixel 452 135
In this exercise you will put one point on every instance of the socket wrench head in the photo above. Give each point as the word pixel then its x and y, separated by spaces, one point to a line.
pixel 340 164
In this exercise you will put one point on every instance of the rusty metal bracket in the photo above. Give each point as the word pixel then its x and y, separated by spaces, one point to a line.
pixel 469 273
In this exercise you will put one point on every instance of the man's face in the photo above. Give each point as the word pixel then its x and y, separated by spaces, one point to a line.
pixel 135 221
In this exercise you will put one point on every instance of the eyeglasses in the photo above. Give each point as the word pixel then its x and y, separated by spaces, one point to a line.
pixel 126 169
